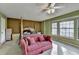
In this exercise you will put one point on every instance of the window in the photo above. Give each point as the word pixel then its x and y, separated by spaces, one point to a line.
pixel 67 29
pixel 54 28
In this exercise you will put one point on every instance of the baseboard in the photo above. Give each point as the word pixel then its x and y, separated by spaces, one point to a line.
pixel 68 43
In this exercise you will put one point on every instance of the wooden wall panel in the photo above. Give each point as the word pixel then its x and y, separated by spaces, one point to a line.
pixel 28 24
pixel 37 27
pixel 15 24
pixel 32 24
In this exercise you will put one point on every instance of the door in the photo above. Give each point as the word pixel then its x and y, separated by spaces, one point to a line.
pixel 2 30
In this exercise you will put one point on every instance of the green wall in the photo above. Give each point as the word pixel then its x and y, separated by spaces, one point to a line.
pixel 46 29
pixel 46 25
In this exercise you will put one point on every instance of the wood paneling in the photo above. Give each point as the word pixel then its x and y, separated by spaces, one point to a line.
pixel 37 27
pixel 28 24
pixel 15 24
pixel 32 24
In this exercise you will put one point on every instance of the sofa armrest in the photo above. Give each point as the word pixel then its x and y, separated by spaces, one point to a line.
pixel 23 46
pixel 48 38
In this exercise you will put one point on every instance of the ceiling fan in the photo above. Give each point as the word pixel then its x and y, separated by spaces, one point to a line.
pixel 50 8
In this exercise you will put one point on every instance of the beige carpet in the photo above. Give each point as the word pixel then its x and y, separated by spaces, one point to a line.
pixel 10 48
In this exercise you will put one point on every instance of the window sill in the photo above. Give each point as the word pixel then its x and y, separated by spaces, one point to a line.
pixel 62 37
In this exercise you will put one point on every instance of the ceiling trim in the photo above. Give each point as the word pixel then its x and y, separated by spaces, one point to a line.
pixel 23 19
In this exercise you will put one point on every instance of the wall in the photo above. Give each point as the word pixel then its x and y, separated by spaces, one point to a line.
pixel 46 27
pixel 47 23
pixel 32 24
pixel 2 28
pixel 15 24
pixel 42 27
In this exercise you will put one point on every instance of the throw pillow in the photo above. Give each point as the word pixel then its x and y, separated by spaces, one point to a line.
pixel 41 38
pixel 31 39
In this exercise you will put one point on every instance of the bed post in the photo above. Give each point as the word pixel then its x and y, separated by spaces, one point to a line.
pixel 21 33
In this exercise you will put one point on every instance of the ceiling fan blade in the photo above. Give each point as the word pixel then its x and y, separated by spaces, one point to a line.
pixel 45 9
pixel 49 4
pixel 58 7
pixel 44 6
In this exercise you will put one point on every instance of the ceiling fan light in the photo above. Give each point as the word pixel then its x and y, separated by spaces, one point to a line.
pixel 48 11
pixel 51 11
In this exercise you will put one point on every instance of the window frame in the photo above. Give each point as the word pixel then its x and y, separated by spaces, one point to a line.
pixel 64 20
pixel 65 28
pixel 77 29
pixel 54 28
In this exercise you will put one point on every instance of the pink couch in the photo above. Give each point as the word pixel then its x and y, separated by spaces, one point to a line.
pixel 35 44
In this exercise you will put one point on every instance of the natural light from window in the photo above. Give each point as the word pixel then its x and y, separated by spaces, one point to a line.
pixel 66 29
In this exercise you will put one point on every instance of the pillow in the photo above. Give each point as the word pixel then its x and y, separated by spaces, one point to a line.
pixel 31 40
pixel 41 38
pixel 37 39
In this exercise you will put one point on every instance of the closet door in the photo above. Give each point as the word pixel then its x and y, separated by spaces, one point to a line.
pixel 2 30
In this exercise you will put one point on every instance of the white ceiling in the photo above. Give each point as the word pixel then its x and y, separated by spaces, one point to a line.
pixel 31 11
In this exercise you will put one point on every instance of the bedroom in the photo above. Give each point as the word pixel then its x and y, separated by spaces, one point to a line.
pixel 61 24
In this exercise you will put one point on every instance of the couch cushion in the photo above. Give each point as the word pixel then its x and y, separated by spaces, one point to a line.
pixel 44 43
pixel 33 47
pixel 37 49
pixel 46 47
